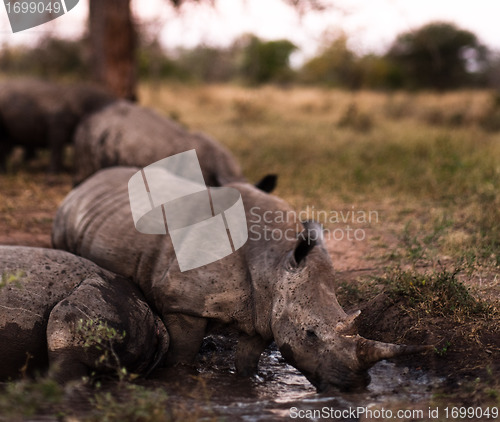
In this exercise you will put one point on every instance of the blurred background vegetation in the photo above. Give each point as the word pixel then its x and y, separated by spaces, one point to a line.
pixel 437 56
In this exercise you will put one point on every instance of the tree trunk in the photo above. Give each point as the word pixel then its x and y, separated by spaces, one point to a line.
pixel 113 43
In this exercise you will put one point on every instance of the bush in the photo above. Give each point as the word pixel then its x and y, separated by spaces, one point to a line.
pixel 50 58
pixel 438 294
pixel 266 61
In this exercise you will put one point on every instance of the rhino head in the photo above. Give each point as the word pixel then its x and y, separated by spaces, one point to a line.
pixel 311 329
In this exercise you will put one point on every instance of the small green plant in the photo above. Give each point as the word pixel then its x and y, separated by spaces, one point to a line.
pixel 437 293
pixel 443 350
pixel 98 335
pixel 492 393
pixel 351 290
pixel 14 277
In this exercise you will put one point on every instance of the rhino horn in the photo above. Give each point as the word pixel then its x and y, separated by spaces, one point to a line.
pixel 347 325
pixel 370 352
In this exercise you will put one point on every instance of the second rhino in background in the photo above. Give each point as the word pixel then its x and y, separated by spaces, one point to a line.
pixel 125 134
pixel 36 114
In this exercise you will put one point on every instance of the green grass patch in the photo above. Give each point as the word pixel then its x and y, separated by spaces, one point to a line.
pixel 434 294
pixel 97 334
pixel 23 399
pixel 15 278
pixel 45 398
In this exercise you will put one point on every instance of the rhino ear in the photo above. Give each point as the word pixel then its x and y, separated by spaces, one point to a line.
pixel 311 236
pixel 267 183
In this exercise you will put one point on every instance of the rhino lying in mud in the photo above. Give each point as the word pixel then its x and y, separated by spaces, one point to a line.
pixel 45 294
pixel 125 134
pixel 37 114
pixel 275 287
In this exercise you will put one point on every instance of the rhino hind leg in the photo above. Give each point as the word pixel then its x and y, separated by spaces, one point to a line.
pixel 56 153
pixel 186 336
pixel 5 150
pixel 66 365
pixel 5 147
pixel 71 355
pixel 59 135
pixel 104 327
pixel 29 153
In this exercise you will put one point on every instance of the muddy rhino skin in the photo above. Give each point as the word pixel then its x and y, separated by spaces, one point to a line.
pixel 276 287
pixel 37 114
pixel 45 293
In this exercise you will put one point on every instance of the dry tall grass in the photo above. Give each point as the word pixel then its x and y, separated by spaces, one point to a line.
pixel 434 155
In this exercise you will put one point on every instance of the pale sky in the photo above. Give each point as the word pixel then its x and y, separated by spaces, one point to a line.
pixel 370 24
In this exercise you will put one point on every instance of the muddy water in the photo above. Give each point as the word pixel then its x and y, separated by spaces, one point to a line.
pixel 280 392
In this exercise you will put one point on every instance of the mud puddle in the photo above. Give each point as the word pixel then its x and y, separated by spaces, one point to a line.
pixel 279 392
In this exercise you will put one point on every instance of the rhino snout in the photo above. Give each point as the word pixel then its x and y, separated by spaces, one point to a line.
pixel 342 362
pixel 326 370
pixel 342 379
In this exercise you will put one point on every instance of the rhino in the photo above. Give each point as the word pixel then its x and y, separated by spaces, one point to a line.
pixel 126 134
pixel 52 306
pixel 37 114
pixel 278 286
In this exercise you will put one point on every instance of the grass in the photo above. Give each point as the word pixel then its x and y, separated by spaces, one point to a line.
pixel 435 294
pixel 45 399
pixel 98 335
pixel 23 399
pixel 332 147
pixel 130 403
pixel 15 277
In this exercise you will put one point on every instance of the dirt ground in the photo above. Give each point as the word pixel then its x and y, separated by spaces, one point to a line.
pixel 468 356
pixel 467 352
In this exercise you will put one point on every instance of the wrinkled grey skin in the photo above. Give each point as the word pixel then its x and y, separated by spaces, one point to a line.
pixel 279 290
pixel 36 114
pixel 125 134
pixel 44 293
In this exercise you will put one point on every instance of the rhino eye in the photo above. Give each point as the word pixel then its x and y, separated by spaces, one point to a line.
pixel 311 334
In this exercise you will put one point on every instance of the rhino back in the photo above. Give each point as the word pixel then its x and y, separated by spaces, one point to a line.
pixel 140 341
pixel 95 221
pixel 124 134
pixel 84 99
pixel 33 110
